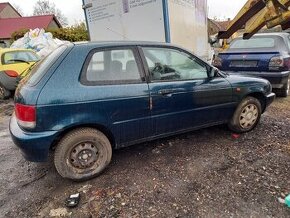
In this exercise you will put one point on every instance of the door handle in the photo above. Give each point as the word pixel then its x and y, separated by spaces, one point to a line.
pixel 165 92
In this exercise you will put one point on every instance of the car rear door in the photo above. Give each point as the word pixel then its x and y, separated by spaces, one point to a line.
pixel 181 93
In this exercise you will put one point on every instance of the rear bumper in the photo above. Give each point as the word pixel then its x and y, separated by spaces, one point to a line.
pixel 277 79
pixel 33 145
pixel 8 82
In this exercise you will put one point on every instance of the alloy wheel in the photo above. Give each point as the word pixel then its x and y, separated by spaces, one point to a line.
pixel 249 116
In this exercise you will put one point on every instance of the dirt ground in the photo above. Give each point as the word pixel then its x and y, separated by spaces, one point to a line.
pixel 206 173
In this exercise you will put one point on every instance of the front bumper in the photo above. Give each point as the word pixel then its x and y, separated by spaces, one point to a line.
pixel 277 79
pixel 33 145
pixel 270 98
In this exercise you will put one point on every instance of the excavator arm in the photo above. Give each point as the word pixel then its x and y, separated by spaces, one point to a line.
pixel 259 13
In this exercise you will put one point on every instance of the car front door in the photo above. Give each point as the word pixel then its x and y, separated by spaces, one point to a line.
pixel 117 80
pixel 182 94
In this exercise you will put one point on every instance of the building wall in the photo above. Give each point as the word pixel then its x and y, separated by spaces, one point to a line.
pixel 53 25
pixel 213 28
pixel 9 12
pixel 188 25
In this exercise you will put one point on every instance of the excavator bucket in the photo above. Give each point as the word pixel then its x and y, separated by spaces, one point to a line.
pixel 257 14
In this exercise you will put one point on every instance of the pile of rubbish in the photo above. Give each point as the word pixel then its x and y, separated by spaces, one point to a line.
pixel 38 40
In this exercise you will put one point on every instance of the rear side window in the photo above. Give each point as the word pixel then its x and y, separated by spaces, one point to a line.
pixel 39 70
pixel 112 67
pixel 19 57
pixel 253 43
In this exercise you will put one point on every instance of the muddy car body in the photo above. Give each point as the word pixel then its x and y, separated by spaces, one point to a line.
pixel 85 100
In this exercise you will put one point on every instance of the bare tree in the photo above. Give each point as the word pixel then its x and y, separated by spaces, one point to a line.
pixel 18 9
pixel 44 7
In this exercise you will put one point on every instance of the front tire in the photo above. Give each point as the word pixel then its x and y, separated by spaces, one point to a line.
pixel 82 154
pixel 246 116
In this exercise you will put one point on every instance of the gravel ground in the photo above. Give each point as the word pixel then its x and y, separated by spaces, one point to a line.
pixel 206 173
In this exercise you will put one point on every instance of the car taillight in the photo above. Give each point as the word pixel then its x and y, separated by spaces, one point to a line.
pixel 217 61
pixel 287 63
pixel 26 115
pixel 11 73
pixel 279 63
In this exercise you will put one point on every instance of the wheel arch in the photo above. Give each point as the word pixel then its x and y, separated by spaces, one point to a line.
pixel 98 127
pixel 261 97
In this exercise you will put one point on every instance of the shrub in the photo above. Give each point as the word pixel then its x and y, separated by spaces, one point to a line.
pixel 74 33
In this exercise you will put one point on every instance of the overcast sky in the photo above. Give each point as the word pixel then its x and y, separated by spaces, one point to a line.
pixel 72 9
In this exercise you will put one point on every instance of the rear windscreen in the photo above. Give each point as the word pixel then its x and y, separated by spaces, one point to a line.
pixel 41 67
pixel 261 42
pixel 15 57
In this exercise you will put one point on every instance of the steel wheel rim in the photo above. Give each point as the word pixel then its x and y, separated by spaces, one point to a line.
pixel 249 116
pixel 85 156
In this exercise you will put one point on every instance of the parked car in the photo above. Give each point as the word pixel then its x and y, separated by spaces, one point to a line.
pixel 14 64
pixel 265 55
pixel 84 100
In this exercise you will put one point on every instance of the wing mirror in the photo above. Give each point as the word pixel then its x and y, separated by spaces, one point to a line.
pixel 213 72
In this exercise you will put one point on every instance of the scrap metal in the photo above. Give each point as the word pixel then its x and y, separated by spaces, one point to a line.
pixel 257 14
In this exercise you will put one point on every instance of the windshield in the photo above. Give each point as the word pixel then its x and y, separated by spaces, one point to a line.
pixel 43 66
pixel 265 42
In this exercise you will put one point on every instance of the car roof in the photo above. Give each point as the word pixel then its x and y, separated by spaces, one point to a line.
pixel 273 34
pixel 121 43
pixel 281 34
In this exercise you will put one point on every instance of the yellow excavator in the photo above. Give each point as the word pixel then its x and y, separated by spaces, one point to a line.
pixel 257 14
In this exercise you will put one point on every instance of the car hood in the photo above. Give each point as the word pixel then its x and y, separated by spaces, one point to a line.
pixel 238 80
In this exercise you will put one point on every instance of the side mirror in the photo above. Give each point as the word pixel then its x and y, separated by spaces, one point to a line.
pixel 213 72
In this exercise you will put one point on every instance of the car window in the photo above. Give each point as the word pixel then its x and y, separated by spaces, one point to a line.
pixel 113 66
pixel 261 42
pixel 169 64
pixel 18 57
pixel 39 70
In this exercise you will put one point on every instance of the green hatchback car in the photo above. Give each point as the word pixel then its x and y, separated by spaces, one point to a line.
pixel 84 100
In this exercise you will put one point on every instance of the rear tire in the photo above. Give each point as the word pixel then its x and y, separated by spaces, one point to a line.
pixel 4 93
pixel 246 116
pixel 284 91
pixel 82 154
